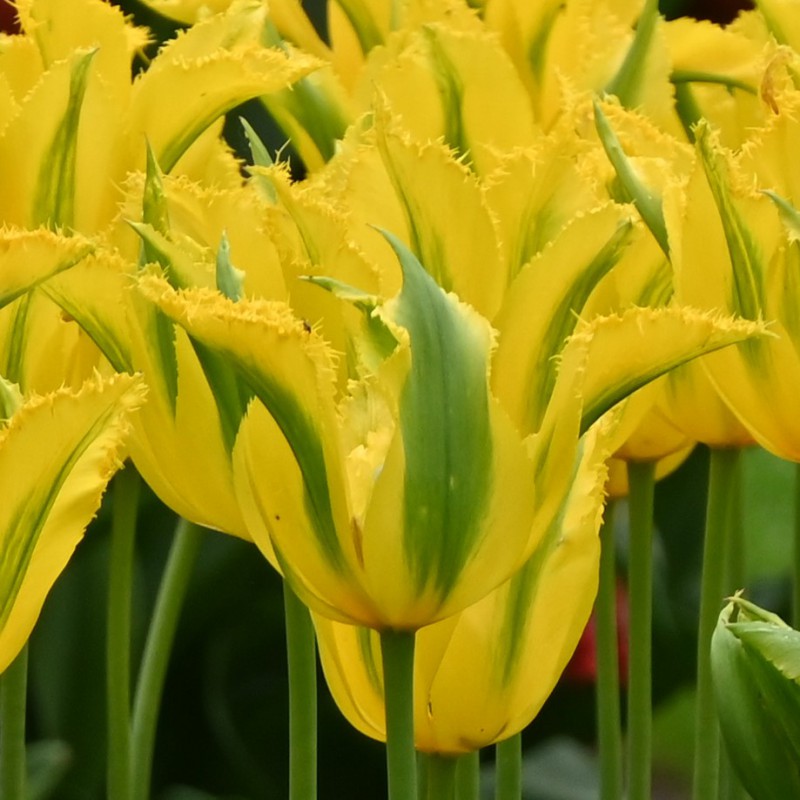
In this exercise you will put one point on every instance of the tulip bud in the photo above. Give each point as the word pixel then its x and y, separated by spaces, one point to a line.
pixel 756 666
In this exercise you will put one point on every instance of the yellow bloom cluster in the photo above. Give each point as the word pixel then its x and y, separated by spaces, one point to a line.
pixel 400 376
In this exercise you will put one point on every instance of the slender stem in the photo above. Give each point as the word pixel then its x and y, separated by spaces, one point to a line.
pixel 397 651
pixel 796 559
pixel 13 695
pixel 508 769
pixel 721 484
pixel 609 726
pixel 641 483
pixel 468 776
pixel 302 663
pixel 736 548
pixel 441 783
pixel 730 788
pixel 158 647
pixel 118 634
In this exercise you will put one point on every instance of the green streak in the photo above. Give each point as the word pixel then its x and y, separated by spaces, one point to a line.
pixel 508 769
pixel 721 486
pixel 609 726
pixel 301 650
pixel 397 651
pixel 641 484
pixel 796 553
pixel 698 76
pixel 13 695
pixel 118 635
pixel 174 583
pixel 627 84
pixel 441 783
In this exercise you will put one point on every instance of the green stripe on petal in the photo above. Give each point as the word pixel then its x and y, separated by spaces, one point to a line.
pixel 542 306
pixel 451 92
pixel 364 25
pixel 54 201
pixel 288 368
pixel 444 417
pixel 623 353
pixel 72 442
pixel 745 254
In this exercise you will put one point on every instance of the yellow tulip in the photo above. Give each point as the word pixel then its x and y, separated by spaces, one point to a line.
pixel 57 454
pixel 516 641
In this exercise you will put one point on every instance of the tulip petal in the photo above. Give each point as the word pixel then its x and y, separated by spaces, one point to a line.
pixel 654 341
pixel 221 54
pixel 70 444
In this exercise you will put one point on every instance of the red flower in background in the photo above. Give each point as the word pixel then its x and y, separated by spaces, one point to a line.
pixel 583 666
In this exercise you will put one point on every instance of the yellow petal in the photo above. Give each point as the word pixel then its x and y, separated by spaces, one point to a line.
pixel 57 454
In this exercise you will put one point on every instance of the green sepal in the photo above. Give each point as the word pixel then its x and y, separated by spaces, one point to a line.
pixel 445 422
pixel 54 204
pixel 647 203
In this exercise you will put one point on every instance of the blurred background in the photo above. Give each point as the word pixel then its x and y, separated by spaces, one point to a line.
pixel 224 727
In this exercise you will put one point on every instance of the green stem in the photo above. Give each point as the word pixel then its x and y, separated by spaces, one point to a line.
pixel 302 664
pixel 508 769
pixel 13 696
pixel 796 555
pixel 721 485
pixel 397 652
pixel 118 634
pixel 641 484
pixel 468 776
pixel 158 647
pixel 609 726
pixel 441 783
pixel 730 787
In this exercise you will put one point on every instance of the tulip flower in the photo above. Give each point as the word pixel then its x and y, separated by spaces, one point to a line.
pixel 517 640
pixel 755 657
pixel 74 126
pixel 70 444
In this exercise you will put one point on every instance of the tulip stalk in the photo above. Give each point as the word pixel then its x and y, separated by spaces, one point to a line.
pixel 441 780
pixel 468 776
pixel 641 480
pixel 118 636
pixel 722 482
pixel 508 768
pixel 13 695
pixel 609 727
pixel 796 551
pixel 302 666
pixel 150 686
pixel 397 652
